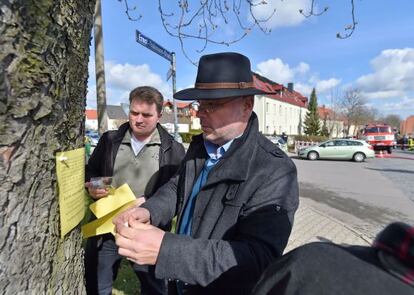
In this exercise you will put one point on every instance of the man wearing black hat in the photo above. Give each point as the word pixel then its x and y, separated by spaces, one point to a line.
pixel 235 194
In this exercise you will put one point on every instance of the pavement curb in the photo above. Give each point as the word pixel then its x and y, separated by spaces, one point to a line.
pixel 356 232
pixel 311 225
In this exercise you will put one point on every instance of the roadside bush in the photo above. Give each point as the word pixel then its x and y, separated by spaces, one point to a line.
pixel 187 136
pixel 291 148
pixel 314 138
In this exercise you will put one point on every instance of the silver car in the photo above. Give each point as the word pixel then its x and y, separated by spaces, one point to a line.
pixel 339 149
pixel 279 142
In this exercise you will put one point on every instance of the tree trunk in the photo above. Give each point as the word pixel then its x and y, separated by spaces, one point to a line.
pixel 44 50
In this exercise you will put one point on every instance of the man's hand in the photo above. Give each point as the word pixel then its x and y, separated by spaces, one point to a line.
pixel 138 242
pixel 136 213
pixel 96 193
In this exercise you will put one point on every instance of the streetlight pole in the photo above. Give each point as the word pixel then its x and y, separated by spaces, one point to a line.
pixel 174 90
pixel 99 68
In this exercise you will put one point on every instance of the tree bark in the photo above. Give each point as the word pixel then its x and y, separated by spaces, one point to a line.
pixel 44 50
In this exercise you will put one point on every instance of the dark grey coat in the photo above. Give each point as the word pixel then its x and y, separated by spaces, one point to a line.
pixel 242 219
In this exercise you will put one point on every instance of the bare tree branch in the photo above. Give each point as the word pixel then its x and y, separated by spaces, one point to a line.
pixel 128 10
pixel 203 20
pixel 355 109
pixel 351 27
pixel 312 10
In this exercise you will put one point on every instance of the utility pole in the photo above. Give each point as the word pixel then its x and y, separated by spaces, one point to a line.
pixel 100 68
pixel 174 90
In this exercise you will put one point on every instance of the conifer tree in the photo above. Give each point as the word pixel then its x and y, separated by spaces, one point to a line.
pixel 324 130
pixel 312 124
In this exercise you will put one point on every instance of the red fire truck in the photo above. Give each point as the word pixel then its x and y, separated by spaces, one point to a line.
pixel 380 136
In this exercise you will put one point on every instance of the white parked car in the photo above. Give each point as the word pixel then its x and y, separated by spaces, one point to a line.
pixel 339 149
pixel 279 142
pixel 93 136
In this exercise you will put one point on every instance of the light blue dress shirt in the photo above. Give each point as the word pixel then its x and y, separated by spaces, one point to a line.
pixel 214 152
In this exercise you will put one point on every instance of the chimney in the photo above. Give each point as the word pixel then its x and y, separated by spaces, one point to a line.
pixel 290 87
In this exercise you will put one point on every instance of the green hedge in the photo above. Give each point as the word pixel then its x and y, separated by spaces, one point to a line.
pixel 187 136
pixel 314 138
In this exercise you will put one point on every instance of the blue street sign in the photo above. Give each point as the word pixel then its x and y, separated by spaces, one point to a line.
pixel 154 46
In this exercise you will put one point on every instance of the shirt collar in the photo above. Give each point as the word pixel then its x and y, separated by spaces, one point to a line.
pixel 214 151
pixel 155 137
pixel 127 137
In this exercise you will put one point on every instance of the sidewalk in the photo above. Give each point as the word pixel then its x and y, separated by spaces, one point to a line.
pixel 311 225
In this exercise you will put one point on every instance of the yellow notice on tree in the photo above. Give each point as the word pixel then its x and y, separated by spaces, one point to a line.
pixel 106 209
pixel 70 169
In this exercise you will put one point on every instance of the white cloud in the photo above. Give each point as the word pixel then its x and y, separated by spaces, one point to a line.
pixel 120 79
pixel 383 94
pixel 126 77
pixel 280 72
pixel 304 80
pixel 321 86
pixel 325 85
pixel 91 97
pixel 393 72
pixel 287 12
pixel 302 68
pixel 405 104
pixel 304 89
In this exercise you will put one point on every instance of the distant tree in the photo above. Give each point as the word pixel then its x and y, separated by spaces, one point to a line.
pixel 43 76
pixel 393 120
pixel 335 127
pixel 356 111
pixel 365 116
pixel 311 123
pixel 353 108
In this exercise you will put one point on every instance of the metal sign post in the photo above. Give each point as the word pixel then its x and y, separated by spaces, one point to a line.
pixel 174 90
pixel 170 56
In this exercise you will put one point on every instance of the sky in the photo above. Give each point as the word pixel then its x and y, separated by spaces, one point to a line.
pixel 378 59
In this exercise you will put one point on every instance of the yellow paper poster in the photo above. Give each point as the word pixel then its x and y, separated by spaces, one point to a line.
pixel 120 196
pixel 104 224
pixel 70 169
pixel 106 208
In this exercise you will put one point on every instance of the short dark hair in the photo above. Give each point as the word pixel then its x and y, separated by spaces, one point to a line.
pixel 149 95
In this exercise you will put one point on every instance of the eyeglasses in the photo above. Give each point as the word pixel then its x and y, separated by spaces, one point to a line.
pixel 209 107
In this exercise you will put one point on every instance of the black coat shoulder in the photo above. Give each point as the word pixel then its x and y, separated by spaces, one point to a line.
pixel 270 147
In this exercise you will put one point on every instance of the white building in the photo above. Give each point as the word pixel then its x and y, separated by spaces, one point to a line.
pixel 91 120
pixel 284 111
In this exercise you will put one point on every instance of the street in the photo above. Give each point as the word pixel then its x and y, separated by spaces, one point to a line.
pixel 365 196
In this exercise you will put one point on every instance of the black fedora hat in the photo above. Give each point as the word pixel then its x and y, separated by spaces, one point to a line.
pixel 221 75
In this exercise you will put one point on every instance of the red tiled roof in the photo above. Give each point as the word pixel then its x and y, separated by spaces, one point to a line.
pixel 330 114
pixel 180 105
pixel 407 125
pixel 281 92
pixel 91 114
pixel 325 112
